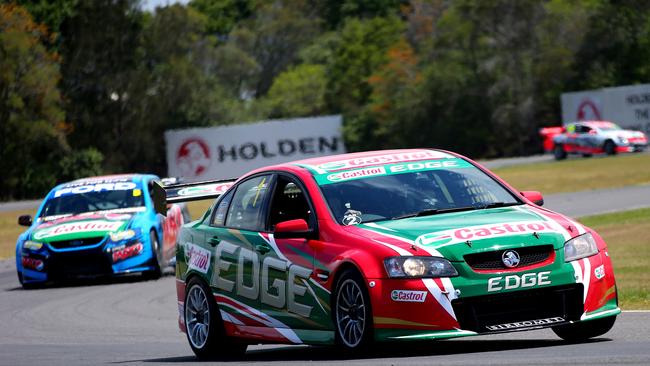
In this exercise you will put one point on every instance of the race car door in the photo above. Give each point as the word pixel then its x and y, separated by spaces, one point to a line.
pixel 287 285
pixel 571 138
pixel 235 233
pixel 588 140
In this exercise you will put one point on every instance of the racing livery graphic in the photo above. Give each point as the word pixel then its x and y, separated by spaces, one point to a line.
pixel 382 246
pixel 591 137
pixel 97 226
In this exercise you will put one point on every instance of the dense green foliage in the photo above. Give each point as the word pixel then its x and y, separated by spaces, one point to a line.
pixel 89 87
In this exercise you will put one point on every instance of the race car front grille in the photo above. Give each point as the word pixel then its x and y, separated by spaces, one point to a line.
pixel 520 309
pixel 64 244
pixel 78 264
pixel 528 256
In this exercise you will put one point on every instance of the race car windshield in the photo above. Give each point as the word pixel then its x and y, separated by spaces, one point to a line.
pixel 609 127
pixel 72 204
pixel 429 192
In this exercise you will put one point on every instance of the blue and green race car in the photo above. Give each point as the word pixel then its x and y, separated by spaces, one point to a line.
pixel 97 226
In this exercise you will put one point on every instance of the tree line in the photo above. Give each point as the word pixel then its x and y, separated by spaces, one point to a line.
pixel 89 87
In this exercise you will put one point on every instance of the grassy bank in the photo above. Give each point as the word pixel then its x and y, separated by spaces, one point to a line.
pixel 9 231
pixel 626 234
pixel 579 174
pixel 198 208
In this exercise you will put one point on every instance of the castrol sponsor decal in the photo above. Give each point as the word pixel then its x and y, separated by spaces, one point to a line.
pixel 599 272
pixel 408 296
pixel 448 237
pixel 197 258
pixel 356 174
pixel 95 226
pixel 384 159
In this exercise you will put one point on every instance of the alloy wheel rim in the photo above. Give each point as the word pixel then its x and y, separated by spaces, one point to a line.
pixel 350 313
pixel 197 316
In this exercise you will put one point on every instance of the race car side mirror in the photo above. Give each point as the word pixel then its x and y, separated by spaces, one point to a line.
pixel 297 228
pixel 25 220
pixel 534 196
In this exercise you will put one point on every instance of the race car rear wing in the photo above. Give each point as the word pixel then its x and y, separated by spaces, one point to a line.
pixel 164 194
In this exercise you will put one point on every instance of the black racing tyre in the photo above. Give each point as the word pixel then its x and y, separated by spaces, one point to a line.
pixel 205 331
pixel 586 155
pixel 584 330
pixel 558 152
pixel 28 286
pixel 157 270
pixel 609 147
pixel 352 313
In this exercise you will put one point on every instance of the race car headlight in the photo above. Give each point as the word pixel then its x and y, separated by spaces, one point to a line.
pixel 122 235
pixel 580 247
pixel 32 245
pixel 400 267
pixel 622 140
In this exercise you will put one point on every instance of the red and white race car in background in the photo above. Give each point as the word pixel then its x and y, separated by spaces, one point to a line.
pixel 591 137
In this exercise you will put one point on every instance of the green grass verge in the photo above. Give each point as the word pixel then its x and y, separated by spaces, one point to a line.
pixel 9 231
pixel 626 234
pixel 579 174
pixel 198 208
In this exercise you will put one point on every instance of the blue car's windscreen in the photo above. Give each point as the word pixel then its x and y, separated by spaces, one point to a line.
pixel 77 200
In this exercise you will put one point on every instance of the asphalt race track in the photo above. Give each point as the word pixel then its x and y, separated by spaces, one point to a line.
pixel 133 322
pixel 595 202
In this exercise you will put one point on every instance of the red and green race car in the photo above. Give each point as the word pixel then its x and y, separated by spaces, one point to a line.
pixel 396 245
pixel 591 137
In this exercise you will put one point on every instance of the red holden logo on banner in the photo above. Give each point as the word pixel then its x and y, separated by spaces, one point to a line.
pixel 193 157
pixel 588 111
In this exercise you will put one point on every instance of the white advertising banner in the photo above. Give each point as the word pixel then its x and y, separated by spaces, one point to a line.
pixel 230 151
pixel 627 106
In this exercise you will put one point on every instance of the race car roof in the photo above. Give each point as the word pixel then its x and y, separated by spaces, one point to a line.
pixel 106 179
pixel 371 158
pixel 596 124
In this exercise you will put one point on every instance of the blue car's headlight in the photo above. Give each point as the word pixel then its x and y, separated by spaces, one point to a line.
pixel 406 267
pixel 32 245
pixel 122 235
pixel 580 247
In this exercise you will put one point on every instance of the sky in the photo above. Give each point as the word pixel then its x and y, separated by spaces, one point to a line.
pixel 151 4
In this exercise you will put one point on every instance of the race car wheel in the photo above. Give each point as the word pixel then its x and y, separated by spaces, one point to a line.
pixel 27 285
pixel 156 272
pixel 352 315
pixel 585 330
pixel 559 153
pixel 609 147
pixel 205 331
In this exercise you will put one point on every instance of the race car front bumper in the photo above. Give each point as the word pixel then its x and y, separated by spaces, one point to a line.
pixel 483 303
pixel 631 148
pixel 52 263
